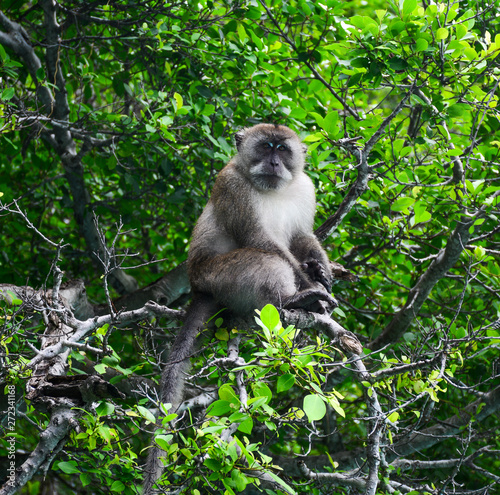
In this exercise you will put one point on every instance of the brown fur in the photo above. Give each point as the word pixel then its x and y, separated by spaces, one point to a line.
pixel 253 244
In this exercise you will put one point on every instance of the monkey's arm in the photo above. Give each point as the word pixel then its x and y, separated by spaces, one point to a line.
pixel 313 259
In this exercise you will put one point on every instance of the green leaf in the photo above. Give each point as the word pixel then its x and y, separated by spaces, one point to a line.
pixel 397 26
pixel 85 479
pixel 40 74
pixel 459 332
pixel 219 408
pixel 213 464
pixel 270 316
pixel 339 312
pixel 246 426
pixel 105 409
pixel 402 204
pixel 409 6
pixel 393 417
pixel 239 480
pixel 460 30
pixel 298 113
pixel 314 406
pixel 278 480
pixel 227 393
pixel 163 441
pixel 285 382
pixel 421 45
pixel 397 63
pixel 242 34
pixel 256 40
pixel 442 34
pixel 330 122
pixel 261 389
pixel 3 54
pixel 117 486
pixel 69 467
pixel 313 137
pixel 421 213
pixel 146 414
pixel 105 432
pixel 178 100
pixel 7 94
pixel 335 404
pixel 222 334
pixel 419 386
pixel 470 53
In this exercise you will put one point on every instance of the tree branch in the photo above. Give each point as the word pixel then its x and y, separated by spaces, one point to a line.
pixel 361 183
pixel 443 262
pixel 52 439
pixel 479 410
pixel 15 37
pixel 339 336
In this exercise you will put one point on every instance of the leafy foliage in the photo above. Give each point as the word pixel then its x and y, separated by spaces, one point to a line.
pixel 114 120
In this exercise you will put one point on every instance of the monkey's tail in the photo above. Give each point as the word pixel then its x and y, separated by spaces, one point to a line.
pixel 172 379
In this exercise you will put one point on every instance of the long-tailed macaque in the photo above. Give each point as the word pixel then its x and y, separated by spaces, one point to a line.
pixel 253 244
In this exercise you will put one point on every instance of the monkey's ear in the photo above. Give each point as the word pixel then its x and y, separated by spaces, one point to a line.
pixel 304 148
pixel 238 137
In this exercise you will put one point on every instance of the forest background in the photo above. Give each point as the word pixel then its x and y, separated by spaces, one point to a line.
pixel 115 118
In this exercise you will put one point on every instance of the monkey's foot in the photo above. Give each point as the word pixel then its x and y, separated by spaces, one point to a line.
pixel 315 300
pixel 317 273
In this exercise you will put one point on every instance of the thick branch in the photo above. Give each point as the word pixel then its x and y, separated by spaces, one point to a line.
pixel 338 335
pixel 52 56
pixel 51 442
pixel 164 291
pixel 63 413
pixel 84 328
pixel 356 190
pixel 73 296
pixel 15 37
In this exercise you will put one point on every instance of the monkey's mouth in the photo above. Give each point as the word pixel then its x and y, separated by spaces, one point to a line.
pixel 269 181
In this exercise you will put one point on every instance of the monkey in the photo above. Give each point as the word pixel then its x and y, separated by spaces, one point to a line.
pixel 253 244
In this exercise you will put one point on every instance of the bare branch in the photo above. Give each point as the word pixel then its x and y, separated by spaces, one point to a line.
pixel 477 411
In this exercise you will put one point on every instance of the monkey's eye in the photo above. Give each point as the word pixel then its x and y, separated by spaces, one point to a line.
pixel 281 147
pixel 268 146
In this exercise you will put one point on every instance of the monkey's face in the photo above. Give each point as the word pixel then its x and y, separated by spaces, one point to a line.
pixel 270 156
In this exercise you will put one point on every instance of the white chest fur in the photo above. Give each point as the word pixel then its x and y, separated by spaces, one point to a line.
pixel 289 211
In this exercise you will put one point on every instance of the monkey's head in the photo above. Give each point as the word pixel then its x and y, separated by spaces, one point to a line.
pixel 269 155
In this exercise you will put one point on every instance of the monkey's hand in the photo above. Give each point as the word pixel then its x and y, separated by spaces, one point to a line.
pixel 317 273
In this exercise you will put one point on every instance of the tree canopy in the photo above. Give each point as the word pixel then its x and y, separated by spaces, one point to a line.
pixel 115 118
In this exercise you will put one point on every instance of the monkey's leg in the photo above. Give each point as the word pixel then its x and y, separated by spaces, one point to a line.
pixel 314 261
pixel 246 279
